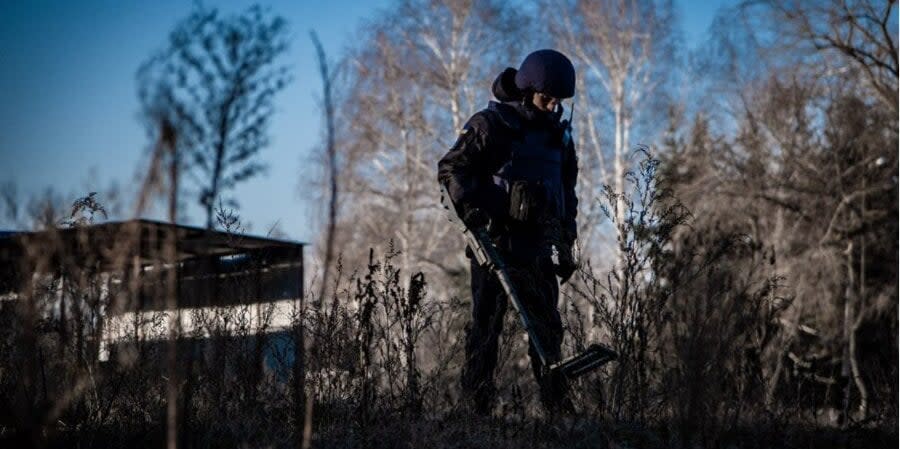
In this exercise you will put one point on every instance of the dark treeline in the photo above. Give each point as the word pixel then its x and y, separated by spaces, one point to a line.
pixel 738 224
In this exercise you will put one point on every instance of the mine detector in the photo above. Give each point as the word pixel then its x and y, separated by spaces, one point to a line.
pixel 487 255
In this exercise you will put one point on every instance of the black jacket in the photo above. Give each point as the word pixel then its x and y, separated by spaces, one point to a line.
pixel 482 148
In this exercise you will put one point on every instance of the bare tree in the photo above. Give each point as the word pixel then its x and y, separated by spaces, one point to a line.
pixel 806 173
pixel 215 82
pixel 863 33
pixel 331 155
pixel 424 70
pixel 624 49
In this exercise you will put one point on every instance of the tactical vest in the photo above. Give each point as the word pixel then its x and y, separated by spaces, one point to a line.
pixel 532 178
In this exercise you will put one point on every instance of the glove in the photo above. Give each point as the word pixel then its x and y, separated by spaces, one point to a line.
pixel 475 218
pixel 566 266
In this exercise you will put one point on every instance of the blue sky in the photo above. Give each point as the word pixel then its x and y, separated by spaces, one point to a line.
pixel 68 102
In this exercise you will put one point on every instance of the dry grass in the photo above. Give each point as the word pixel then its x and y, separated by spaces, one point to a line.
pixel 380 362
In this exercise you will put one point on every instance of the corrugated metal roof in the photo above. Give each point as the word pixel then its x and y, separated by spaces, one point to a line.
pixel 145 239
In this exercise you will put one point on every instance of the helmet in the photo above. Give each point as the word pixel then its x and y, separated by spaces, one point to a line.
pixel 547 71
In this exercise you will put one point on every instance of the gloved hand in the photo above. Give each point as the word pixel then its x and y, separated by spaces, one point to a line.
pixel 567 265
pixel 475 218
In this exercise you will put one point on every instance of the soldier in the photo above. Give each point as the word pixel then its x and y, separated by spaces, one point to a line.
pixel 513 169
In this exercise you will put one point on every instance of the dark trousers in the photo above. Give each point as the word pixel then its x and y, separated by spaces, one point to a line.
pixel 539 292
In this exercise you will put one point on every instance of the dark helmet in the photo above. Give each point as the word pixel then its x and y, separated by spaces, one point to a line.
pixel 549 72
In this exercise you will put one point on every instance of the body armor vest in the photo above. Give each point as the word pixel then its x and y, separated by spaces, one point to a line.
pixel 532 178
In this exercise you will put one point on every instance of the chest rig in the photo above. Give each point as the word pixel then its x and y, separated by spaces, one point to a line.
pixel 532 177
